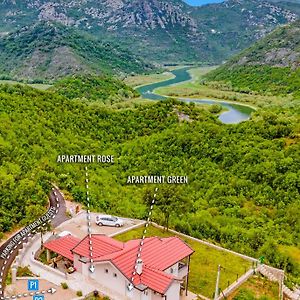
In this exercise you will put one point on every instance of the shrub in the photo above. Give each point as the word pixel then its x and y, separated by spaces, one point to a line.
pixel 79 293
pixel 64 285
pixel 24 272
pixel 244 294
pixel 215 108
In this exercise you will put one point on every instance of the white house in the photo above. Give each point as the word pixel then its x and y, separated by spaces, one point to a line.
pixel 162 271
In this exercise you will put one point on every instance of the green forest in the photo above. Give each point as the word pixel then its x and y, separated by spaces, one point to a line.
pixel 244 179
pixel 94 88
pixel 261 79
pixel 48 50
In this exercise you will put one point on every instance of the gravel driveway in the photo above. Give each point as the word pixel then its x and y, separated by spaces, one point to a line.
pixel 77 226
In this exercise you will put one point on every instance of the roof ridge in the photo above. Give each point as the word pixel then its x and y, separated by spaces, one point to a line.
pixel 104 241
pixel 114 252
pixel 78 243
pixel 124 250
pixel 108 237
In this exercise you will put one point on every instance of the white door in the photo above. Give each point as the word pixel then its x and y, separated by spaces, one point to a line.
pixel 106 221
pixel 111 222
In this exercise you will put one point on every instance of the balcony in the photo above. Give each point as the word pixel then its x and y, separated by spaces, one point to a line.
pixel 182 270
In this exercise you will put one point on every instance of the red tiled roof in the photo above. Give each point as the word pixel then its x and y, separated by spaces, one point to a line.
pixel 63 246
pixel 156 280
pixel 102 245
pixel 158 254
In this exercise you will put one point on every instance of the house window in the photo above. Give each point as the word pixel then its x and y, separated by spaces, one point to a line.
pixel 106 271
pixel 171 271
pixel 115 275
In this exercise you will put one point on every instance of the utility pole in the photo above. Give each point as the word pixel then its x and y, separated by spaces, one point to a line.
pixel 217 283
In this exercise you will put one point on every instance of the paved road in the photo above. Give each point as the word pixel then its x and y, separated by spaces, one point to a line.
pixel 9 250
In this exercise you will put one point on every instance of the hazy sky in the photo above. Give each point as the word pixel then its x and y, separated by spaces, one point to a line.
pixel 200 2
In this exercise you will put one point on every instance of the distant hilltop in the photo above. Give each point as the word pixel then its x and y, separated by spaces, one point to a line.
pixel 48 50
pixel 272 65
pixel 164 31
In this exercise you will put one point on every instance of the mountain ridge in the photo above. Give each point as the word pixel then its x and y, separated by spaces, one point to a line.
pixel 49 51
pixel 271 65
pixel 163 31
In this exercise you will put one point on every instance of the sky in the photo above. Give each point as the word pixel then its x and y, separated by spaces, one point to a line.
pixel 201 2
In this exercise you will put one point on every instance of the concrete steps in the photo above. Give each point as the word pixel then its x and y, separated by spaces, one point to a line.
pixel 276 275
pixel 265 272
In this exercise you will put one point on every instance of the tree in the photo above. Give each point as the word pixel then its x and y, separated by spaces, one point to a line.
pixel 170 201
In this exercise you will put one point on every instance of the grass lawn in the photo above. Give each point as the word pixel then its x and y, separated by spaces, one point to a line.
pixel 38 86
pixel 259 287
pixel 138 80
pixel 204 262
pixel 197 73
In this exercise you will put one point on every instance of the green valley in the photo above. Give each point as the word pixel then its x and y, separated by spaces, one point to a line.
pixel 243 177
pixel 265 74
pixel 208 95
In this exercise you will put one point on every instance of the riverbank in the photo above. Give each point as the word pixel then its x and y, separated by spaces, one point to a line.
pixel 216 101
pixel 141 80
pixel 230 113
pixel 195 89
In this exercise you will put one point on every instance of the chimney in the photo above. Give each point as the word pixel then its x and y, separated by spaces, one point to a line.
pixel 139 266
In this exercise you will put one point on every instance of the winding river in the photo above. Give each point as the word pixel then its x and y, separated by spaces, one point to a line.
pixel 235 113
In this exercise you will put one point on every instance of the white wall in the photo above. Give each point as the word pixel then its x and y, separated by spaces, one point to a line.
pixel 156 296
pixel 173 292
pixel 146 295
pixel 107 275
pixel 138 295
pixel 110 277
pixel 174 268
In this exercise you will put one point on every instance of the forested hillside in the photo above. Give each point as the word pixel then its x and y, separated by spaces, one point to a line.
pixel 271 65
pixel 94 88
pixel 50 50
pixel 243 187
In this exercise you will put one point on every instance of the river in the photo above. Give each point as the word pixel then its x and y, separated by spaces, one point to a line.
pixel 235 113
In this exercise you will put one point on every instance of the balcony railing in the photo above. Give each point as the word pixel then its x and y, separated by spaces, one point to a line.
pixel 182 270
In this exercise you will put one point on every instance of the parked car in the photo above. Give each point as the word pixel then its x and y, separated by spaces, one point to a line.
pixel 106 220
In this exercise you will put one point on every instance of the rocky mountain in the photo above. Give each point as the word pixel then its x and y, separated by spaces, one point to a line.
pixel 51 50
pixel 162 30
pixel 270 65
pixel 281 48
